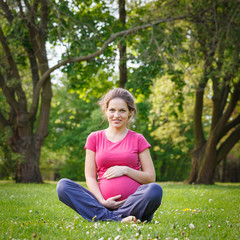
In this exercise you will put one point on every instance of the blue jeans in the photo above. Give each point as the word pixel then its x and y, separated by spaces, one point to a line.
pixel 142 204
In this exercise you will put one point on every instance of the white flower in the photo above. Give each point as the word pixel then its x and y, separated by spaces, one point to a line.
pixel 210 200
pixel 30 211
pixel 96 225
pixel 117 237
pixel 191 225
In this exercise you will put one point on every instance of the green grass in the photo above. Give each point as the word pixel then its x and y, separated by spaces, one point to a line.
pixel 32 211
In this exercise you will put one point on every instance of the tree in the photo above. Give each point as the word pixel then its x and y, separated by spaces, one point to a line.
pixel 216 36
pixel 204 46
pixel 122 46
pixel 25 28
pixel 24 140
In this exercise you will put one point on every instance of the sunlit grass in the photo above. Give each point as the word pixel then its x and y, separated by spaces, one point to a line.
pixel 32 211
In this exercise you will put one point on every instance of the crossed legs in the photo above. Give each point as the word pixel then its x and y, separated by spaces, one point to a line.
pixel 142 204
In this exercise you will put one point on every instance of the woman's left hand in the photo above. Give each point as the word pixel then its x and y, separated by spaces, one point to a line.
pixel 115 171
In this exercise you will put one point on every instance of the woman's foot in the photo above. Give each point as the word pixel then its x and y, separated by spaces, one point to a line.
pixel 129 219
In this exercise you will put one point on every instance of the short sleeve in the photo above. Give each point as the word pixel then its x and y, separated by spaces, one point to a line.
pixel 142 143
pixel 91 142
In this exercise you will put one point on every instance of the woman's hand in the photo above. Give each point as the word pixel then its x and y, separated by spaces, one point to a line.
pixel 115 171
pixel 111 202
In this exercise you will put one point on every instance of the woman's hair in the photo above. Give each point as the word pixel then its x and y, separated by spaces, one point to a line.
pixel 119 93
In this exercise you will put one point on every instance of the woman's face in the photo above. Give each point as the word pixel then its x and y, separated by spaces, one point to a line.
pixel 117 113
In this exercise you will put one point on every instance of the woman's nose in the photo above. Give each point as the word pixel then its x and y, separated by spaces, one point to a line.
pixel 116 114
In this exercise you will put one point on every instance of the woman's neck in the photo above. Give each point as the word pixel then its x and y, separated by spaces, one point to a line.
pixel 116 131
pixel 116 135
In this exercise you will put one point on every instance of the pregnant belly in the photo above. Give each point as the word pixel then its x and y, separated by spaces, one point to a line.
pixel 124 186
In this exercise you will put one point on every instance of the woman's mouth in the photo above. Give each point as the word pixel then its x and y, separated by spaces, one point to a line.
pixel 116 121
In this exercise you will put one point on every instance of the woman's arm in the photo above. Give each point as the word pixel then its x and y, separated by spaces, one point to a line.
pixel 90 175
pixel 147 175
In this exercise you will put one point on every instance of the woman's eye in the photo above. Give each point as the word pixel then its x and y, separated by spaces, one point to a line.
pixel 111 110
pixel 123 110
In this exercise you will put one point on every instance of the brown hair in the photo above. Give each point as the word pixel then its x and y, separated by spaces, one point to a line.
pixel 119 93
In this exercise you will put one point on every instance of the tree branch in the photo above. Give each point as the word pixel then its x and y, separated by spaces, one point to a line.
pixel 231 125
pixel 228 144
pixel 21 10
pixel 32 14
pixel 8 54
pixel 217 110
pixel 8 94
pixel 15 73
pixel 27 5
pixel 91 56
pixel 198 109
pixel 8 13
pixel 35 5
pixel 3 121
pixel 44 18
pixel 30 52
pixel 122 46
pixel 219 128
pixel 224 94
pixel 34 66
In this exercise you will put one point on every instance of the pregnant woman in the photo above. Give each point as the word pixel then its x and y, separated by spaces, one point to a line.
pixel 118 168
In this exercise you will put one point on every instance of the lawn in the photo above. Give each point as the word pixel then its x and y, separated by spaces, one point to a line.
pixel 32 211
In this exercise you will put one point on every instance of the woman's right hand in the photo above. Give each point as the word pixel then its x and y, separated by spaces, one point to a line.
pixel 111 202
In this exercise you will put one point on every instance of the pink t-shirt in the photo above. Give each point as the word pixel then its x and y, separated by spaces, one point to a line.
pixel 121 153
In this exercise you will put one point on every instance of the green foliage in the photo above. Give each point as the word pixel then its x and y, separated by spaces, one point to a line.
pixel 30 211
pixel 171 118
pixel 8 159
pixel 83 27
pixel 74 165
pixel 72 120
pixel 162 93
pixel 165 65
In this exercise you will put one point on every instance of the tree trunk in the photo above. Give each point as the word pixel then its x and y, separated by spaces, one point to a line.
pixel 122 47
pixel 23 143
pixel 207 170
pixel 28 168
pixel 197 156
pixel 203 168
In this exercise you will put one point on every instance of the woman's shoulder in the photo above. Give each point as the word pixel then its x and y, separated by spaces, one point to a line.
pixel 140 140
pixel 96 133
pixel 135 134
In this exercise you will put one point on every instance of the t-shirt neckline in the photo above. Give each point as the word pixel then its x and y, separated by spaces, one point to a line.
pixel 104 131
